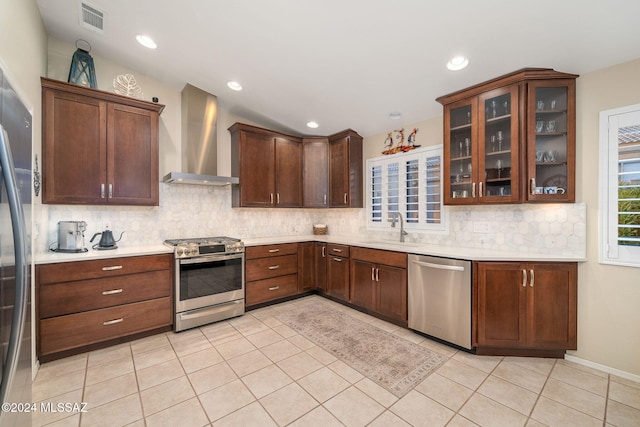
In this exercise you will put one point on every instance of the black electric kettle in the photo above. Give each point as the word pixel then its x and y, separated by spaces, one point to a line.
pixel 106 240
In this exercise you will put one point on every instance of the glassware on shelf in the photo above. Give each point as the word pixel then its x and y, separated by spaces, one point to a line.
pixel 499 138
pixel 494 106
pixel 499 167
pixel 467 147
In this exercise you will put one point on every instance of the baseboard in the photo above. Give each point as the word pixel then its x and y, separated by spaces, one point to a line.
pixel 604 368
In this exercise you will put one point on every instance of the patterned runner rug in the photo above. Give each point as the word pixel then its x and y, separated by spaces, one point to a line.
pixel 392 362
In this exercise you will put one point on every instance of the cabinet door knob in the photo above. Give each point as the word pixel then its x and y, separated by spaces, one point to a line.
pixel 524 278
pixel 324 248
pixel 337 259
pixel 274 288
pixel 337 250
pixel 271 198
pixel 102 191
pixel 377 275
pixel 373 275
pixel 532 278
pixel 324 200
pixel 345 198
pixel 110 191
pixel 112 292
pixel 112 267
pixel 277 198
pixel 473 190
pixel 271 251
pixel 274 267
pixel 112 322
pixel 481 188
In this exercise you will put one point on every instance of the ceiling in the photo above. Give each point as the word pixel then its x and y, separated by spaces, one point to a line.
pixel 348 63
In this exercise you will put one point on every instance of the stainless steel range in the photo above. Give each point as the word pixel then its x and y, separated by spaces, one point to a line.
pixel 209 278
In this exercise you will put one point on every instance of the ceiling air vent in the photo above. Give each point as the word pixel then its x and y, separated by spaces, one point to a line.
pixel 91 18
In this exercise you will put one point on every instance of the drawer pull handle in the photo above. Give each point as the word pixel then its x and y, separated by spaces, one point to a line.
pixel 337 250
pixel 271 251
pixel 524 278
pixel 111 292
pixel 112 322
pixel 532 278
pixel 274 288
pixel 337 259
pixel 111 268
pixel 274 267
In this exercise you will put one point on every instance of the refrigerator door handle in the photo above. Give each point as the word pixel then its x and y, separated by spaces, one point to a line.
pixel 22 274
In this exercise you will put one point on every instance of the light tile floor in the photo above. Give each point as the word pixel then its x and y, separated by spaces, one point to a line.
pixel 255 371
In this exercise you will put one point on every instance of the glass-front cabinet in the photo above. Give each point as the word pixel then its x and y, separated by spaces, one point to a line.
pixel 499 150
pixel 511 140
pixel 481 139
pixel 551 137
pixel 460 148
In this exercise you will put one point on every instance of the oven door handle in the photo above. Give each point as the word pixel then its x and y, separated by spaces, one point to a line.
pixel 204 259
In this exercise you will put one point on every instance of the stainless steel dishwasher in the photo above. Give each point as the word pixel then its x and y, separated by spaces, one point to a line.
pixel 440 298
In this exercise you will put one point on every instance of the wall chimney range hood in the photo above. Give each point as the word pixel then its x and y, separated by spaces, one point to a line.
pixel 199 141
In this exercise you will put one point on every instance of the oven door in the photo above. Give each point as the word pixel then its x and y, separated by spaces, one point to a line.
pixel 209 280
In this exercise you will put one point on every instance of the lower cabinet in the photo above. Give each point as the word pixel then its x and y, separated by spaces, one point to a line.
pixel 306 267
pixel 83 304
pixel 525 308
pixel 271 272
pixel 338 271
pixel 321 266
pixel 379 282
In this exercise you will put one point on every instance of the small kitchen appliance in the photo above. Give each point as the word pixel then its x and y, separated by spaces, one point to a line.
pixel 107 242
pixel 209 280
pixel 71 236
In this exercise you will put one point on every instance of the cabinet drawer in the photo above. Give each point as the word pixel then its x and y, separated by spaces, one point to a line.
pixel 334 249
pixel 377 256
pixel 252 252
pixel 270 289
pixel 58 299
pixel 76 330
pixel 264 268
pixel 94 269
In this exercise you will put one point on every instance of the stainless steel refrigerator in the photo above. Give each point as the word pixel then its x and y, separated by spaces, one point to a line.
pixel 15 256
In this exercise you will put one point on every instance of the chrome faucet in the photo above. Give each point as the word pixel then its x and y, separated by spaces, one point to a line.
pixel 397 215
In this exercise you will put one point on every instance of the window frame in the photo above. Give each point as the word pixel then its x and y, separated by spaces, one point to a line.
pixel 421 154
pixel 610 252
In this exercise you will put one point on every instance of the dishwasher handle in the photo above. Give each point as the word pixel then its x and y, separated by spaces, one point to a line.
pixel 439 266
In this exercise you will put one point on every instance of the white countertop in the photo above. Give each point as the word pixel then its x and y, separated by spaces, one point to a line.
pixel 472 254
pixel 53 257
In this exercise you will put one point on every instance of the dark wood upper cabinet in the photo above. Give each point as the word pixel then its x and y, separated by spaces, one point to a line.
pixel 98 147
pixel 277 170
pixel 315 172
pixel 511 139
pixel 345 170
pixel 269 166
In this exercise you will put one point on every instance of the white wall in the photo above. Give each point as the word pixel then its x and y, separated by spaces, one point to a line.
pixel 608 296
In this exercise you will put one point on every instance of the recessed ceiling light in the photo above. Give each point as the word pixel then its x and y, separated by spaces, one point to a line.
pixel 234 85
pixel 395 116
pixel 312 124
pixel 457 63
pixel 146 41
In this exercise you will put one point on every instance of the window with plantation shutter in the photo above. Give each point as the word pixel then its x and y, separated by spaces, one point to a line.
pixel 620 186
pixel 409 183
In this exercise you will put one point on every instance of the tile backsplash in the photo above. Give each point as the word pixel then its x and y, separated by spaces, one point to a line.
pixel 197 211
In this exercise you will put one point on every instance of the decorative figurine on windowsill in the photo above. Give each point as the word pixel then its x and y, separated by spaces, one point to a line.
pixel 400 146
